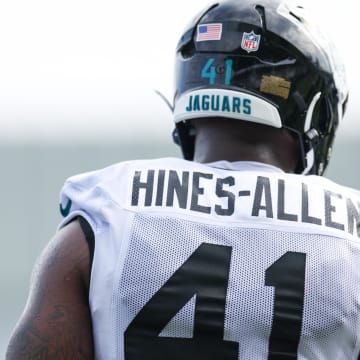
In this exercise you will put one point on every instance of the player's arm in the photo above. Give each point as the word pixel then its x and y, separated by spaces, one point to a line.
pixel 56 321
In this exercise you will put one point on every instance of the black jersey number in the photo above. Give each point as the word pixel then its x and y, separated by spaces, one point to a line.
pixel 205 274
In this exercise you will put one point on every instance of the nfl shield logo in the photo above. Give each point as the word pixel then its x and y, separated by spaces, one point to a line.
pixel 250 41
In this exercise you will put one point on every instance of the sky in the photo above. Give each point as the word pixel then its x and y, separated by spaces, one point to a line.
pixel 84 70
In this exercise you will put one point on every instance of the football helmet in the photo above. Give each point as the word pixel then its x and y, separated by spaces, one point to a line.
pixel 263 61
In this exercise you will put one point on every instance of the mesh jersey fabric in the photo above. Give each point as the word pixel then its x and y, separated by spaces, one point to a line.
pixel 219 261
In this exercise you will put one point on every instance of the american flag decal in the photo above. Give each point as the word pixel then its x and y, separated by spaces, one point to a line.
pixel 207 32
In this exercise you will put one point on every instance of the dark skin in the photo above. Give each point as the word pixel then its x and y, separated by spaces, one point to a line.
pixel 236 140
pixel 56 322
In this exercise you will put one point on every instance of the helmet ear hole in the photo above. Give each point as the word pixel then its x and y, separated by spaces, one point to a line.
pixel 188 50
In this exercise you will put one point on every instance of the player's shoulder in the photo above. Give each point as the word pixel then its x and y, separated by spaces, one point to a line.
pixel 330 185
pixel 87 193
pixel 112 181
pixel 121 169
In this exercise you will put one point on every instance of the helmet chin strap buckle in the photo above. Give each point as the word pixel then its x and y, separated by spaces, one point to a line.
pixel 312 138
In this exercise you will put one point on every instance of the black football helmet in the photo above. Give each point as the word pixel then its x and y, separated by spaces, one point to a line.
pixel 262 61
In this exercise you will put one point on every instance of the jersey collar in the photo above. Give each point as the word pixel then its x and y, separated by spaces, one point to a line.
pixel 245 166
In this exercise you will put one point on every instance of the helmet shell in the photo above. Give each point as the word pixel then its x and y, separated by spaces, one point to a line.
pixel 262 61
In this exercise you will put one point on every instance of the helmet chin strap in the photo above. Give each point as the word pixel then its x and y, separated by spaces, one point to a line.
pixel 310 134
pixel 167 102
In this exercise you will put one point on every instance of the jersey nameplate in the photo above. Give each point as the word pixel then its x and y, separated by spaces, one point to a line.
pixel 257 197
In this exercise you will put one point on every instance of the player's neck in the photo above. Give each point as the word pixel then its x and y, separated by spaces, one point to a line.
pixel 269 146
pixel 246 153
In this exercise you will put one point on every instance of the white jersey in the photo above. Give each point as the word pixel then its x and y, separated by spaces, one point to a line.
pixel 221 261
